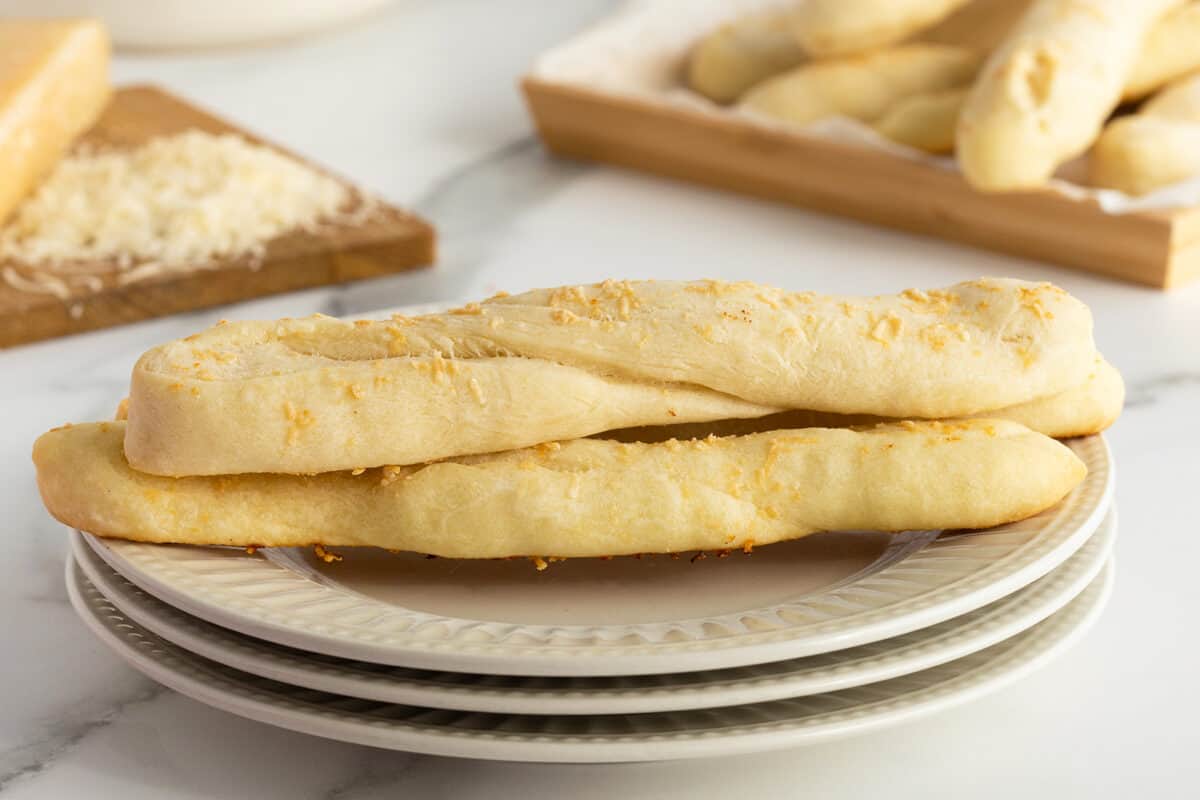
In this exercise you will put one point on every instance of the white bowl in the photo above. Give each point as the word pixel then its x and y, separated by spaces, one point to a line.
pixel 178 24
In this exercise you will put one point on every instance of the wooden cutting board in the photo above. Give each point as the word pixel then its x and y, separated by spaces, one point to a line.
pixel 389 241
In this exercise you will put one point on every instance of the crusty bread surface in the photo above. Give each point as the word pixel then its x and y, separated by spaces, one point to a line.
pixel 319 394
pixel 1080 411
pixel 580 498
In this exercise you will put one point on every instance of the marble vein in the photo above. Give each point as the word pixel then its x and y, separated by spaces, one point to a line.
pixel 421 104
pixel 1149 391
pixel 375 770
pixel 61 736
pixel 474 206
pixel 44 569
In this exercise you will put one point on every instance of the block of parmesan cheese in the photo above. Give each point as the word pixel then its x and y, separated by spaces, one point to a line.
pixel 53 86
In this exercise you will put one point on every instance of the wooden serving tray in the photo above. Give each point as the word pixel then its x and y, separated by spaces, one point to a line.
pixel 1157 248
pixel 390 241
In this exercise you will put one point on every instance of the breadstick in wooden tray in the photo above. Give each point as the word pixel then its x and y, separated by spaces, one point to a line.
pixel 1171 51
pixel 742 53
pixel 845 27
pixel 861 87
pixel 980 25
pixel 1044 94
pixel 1156 147
pixel 924 121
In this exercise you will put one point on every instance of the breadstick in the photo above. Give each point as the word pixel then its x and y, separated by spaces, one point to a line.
pixel 1171 50
pixel 928 121
pixel 1139 154
pixel 742 53
pixel 845 27
pixel 580 498
pixel 980 25
pixel 1156 147
pixel 1080 411
pixel 1045 93
pixel 861 87
pixel 924 121
pixel 1180 101
pixel 321 394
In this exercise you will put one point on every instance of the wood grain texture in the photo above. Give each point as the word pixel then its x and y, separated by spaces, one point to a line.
pixel 1156 248
pixel 390 241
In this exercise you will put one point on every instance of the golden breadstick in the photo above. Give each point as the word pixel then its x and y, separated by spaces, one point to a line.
pixel 742 53
pixel 1156 147
pixel 580 498
pixel 1080 411
pixel 928 121
pixel 861 87
pixel 1045 93
pixel 1139 154
pixel 845 27
pixel 1171 50
pixel 980 25
pixel 924 121
pixel 322 394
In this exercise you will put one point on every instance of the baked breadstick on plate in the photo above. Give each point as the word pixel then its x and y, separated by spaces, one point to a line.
pixel 319 394
pixel 581 498
pixel 1044 94
pixel 861 87
pixel 1080 411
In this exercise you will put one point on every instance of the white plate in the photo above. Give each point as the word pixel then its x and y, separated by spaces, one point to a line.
pixel 617 737
pixel 621 617
pixel 843 669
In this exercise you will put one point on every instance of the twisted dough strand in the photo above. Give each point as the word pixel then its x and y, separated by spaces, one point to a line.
pixel 580 498
pixel 319 394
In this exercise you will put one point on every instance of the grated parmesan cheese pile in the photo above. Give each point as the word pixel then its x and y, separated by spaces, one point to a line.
pixel 176 203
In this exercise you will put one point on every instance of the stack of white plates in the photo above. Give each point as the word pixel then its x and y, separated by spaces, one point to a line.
pixel 608 660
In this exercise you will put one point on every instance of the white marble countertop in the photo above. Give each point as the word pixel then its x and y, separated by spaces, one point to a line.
pixel 420 104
